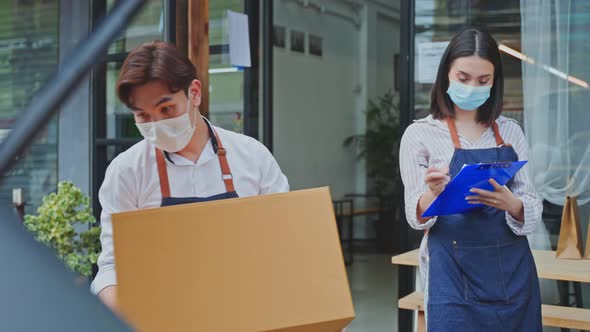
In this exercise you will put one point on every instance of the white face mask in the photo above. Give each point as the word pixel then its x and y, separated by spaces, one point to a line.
pixel 170 135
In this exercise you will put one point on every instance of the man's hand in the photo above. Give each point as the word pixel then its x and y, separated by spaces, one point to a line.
pixel 108 296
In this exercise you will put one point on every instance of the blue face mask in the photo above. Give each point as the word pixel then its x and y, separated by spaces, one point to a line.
pixel 466 97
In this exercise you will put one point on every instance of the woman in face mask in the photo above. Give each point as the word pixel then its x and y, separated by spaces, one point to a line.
pixel 183 158
pixel 477 268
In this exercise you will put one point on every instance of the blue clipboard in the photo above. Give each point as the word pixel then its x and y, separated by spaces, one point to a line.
pixel 452 199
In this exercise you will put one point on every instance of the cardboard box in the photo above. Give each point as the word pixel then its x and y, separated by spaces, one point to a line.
pixel 265 263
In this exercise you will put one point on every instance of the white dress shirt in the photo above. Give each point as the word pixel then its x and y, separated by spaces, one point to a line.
pixel 131 183
pixel 428 141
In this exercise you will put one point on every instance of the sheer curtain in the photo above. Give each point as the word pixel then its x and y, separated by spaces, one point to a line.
pixel 556 72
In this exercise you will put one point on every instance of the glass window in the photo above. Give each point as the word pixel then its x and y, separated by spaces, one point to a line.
pixel 437 21
pixel 28 55
pixel 119 119
pixel 148 25
pixel 226 83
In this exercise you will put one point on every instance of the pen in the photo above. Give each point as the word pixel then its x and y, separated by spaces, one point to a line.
pixel 426 166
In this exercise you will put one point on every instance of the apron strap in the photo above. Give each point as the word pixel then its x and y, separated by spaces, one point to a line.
pixel 162 173
pixel 499 139
pixel 457 142
pixel 226 175
pixel 454 135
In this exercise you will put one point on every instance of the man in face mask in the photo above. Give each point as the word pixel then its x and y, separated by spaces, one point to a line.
pixel 183 158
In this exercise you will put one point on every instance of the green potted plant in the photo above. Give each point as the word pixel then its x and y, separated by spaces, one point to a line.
pixel 54 225
pixel 379 147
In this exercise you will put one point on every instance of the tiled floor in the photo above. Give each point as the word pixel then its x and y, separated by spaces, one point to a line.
pixel 374 291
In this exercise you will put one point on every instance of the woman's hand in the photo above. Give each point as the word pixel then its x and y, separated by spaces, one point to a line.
pixel 501 198
pixel 436 179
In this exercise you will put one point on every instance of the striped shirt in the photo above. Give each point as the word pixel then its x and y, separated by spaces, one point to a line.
pixel 428 141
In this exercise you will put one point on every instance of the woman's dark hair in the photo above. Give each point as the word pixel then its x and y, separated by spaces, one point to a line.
pixel 467 43
pixel 153 61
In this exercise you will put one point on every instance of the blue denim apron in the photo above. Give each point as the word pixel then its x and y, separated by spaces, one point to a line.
pixel 226 175
pixel 481 277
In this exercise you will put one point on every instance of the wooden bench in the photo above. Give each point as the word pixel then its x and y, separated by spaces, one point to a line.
pixel 548 267
pixel 553 315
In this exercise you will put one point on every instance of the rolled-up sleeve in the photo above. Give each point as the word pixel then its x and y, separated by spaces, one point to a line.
pixel 522 187
pixel 118 193
pixel 412 153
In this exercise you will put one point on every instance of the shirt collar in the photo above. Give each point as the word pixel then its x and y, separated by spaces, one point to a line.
pixel 438 123
pixel 208 153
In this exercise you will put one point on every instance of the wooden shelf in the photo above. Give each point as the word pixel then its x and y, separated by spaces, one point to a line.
pixel 566 317
pixel 556 316
pixel 414 301
pixel 548 267
pixel 409 258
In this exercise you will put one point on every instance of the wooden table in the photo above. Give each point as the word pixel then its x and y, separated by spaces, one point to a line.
pixel 548 267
